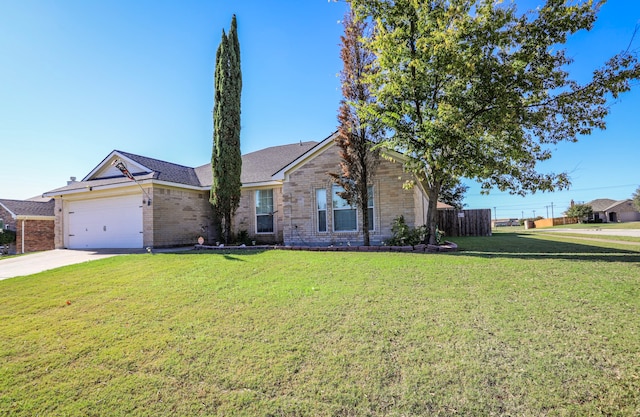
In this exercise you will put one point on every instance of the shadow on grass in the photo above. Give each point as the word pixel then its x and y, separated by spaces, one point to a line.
pixel 528 246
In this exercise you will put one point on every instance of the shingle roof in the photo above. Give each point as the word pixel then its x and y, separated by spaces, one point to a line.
pixel 601 204
pixel 259 166
pixel 166 171
pixel 29 208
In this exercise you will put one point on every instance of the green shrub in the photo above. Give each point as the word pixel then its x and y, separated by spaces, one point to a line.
pixel 7 236
pixel 243 238
pixel 404 235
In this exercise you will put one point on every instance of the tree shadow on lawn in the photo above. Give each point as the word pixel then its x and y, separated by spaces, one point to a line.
pixel 526 246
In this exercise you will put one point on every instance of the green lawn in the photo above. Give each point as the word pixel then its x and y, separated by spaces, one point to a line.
pixel 627 225
pixel 515 324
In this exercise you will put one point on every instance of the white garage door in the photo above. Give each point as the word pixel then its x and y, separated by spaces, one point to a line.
pixel 114 222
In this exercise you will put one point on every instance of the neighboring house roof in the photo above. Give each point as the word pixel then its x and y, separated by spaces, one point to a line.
pixel 443 206
pixel 618 203
pixel 601 204
pixel 28 208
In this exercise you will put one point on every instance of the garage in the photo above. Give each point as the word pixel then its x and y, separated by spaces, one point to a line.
pixel 113 222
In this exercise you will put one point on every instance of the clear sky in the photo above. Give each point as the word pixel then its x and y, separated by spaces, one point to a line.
pixel 80 78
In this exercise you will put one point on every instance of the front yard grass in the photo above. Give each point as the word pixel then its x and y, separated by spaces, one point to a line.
pixel 515 324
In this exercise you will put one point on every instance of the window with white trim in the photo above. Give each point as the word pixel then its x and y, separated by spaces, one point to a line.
pixel 321 208
pixel 344 214
pixel 264 211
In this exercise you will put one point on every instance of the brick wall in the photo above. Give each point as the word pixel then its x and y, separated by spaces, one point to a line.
pixel 177 217
pixel 390 201
pixel 245 217
pixel 38 235
pixel 7 219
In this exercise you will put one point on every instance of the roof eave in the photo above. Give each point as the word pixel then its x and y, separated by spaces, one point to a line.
pixel 311 153
pixel 13 215
pixel 126 159
pixel 34 217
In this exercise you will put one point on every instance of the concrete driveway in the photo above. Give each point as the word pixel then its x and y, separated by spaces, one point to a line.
pixel 42 261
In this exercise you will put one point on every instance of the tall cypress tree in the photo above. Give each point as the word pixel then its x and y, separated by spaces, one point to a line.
pixel 226 160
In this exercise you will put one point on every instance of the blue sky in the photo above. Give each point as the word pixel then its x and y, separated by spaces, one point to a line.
pixel 82 78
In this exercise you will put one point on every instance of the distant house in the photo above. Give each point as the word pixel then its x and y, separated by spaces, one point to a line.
pixel 505 222
pixel 287 197
pixel 606 210
pixel 33 222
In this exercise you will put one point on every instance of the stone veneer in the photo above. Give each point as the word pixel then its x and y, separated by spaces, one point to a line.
pixel 390 201
pixel 177 217
pixel 245 217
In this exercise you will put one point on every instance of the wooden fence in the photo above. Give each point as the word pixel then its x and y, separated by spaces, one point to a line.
pixel 465 222
pixel 558 221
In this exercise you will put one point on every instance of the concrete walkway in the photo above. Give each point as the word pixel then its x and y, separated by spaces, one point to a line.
pixel 42 261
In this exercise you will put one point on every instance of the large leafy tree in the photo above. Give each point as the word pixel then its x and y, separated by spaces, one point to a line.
pixel 356 132
pixel 452 193
pixel 580 212
pixel 226 159
pixel 475 89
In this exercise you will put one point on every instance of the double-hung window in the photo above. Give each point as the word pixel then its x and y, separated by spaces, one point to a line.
pixel 264 211
pixel 344 214
pixel 321 207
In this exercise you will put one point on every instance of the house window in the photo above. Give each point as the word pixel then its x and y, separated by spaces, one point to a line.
pixel 264 211
pixel 321 204
pixel 344 215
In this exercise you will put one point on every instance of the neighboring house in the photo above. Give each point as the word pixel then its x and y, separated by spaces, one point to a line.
pixel 33 222
pixel 505 222
pixel 287 197
pixel 607 210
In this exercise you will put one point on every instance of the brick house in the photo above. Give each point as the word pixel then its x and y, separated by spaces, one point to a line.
pixel 33 222
pixel 287 197
pixel 606 210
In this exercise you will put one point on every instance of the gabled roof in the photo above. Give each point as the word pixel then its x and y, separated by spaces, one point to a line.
pixel 28 208
pixel 165 171
pixel 601 204
pixel 304 157
pixel 257 167
pixel 260 166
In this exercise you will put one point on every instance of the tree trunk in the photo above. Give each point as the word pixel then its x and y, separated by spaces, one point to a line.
pixel 432 211
pixel 227 227
pixel 364 208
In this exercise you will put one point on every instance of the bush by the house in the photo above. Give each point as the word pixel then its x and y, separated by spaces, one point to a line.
pixel 404 235
pixel 7 236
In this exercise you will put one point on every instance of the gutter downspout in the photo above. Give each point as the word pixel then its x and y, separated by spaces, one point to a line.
pixel 22 237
